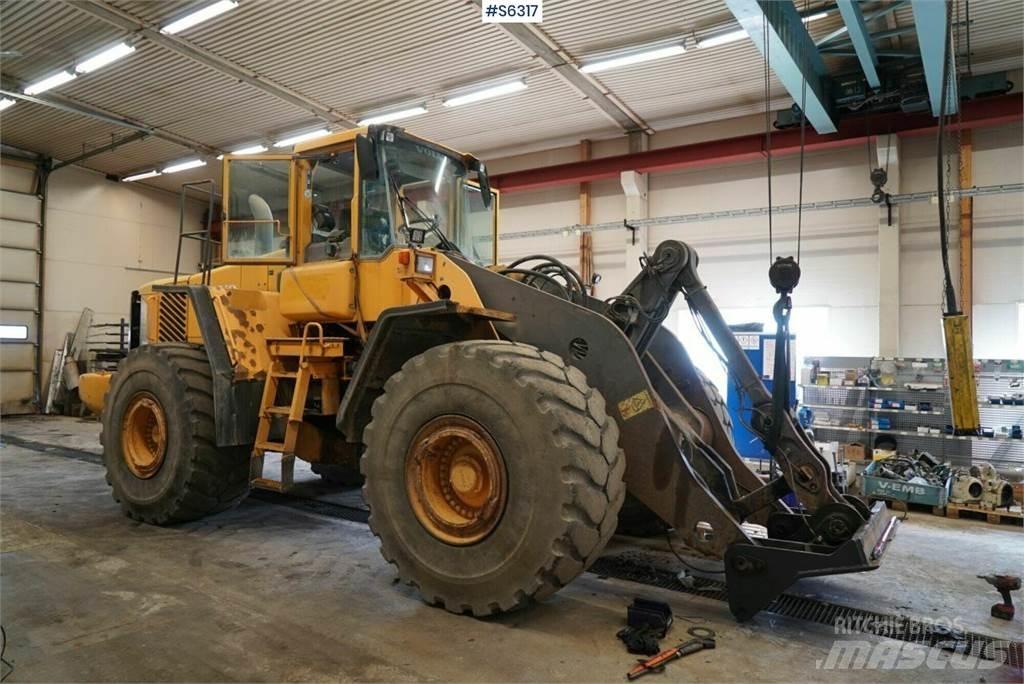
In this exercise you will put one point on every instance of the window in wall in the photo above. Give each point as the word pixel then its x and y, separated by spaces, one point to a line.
pixel 1019 353
pixel 13 332
pixel 258 224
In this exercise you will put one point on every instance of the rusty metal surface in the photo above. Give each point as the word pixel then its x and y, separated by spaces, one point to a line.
pixel 247 319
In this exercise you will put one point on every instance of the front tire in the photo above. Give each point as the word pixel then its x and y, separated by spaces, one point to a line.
pixel 493 474
pixel 159 442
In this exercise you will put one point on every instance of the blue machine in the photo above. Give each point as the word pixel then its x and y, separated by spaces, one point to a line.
pixel 760 349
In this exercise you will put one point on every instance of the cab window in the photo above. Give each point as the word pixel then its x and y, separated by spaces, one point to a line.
pixel 258 225
pixel 474 234
pixel 417 186
pixel 332 184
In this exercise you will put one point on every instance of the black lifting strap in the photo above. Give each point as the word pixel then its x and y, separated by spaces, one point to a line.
pixel 784 276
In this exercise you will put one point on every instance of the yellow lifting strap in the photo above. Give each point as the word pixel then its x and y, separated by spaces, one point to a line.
pixel 963 393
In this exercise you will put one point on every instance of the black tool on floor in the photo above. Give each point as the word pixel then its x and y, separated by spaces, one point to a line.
pixel 1004 584
pixel 639 641
pixel 658 662
pixel 650 614
pixel 647 622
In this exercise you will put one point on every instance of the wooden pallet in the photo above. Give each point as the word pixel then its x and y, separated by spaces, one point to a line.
pixel 1013 516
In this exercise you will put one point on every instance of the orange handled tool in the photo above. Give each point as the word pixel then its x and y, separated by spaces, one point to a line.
pixel 658 662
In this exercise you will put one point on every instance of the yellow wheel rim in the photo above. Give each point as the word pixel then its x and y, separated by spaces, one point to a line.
pixel 143 436
pixel 455 480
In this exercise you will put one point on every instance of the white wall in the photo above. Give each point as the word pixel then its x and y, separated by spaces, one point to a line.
pixel 840 281
pixel 103 240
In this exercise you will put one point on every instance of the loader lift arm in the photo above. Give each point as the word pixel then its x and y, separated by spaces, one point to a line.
pixel 640 311
pixel 704 493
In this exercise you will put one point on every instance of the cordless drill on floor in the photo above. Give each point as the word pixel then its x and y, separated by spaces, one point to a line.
pixel 1004 584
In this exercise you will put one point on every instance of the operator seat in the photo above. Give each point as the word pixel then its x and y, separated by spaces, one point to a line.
pixel 264 229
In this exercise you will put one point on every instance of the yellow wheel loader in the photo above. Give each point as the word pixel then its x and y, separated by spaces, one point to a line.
pixel 498 416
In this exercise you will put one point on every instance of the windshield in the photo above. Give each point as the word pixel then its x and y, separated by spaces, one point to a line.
pixel 421 187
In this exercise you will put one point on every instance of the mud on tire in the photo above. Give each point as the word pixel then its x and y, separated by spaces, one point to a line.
pixel 561 457
pixel 195 477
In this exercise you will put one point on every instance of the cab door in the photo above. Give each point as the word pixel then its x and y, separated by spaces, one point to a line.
pixel 261 198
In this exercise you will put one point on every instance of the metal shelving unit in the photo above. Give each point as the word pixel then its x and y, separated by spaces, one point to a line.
pixel 843 413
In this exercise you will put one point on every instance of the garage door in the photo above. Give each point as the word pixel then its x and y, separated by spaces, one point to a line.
pixel 20 253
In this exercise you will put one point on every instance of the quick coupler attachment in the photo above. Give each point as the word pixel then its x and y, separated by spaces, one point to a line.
pixel 757 573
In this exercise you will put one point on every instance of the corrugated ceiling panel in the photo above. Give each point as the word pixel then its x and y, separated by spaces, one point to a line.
pixel 364 55
pixel 996 34
pixel 163 11
pixel 137 156
pixel 587 27
pixel 357 56
pixel 172 92
pixel 541 112
pixel 49 131
pixel 40 38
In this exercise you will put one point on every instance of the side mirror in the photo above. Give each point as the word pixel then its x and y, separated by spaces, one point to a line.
pixel 481 177
pixel 366 153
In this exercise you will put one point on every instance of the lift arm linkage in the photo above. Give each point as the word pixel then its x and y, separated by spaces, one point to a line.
pixel 642 308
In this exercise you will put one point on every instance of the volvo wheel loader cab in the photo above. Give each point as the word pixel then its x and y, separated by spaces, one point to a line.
pixel 499 415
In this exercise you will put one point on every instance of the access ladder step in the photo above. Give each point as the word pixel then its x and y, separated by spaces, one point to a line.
pixel 272 485
pixel 279 410
pixel 270 446
pixel 310 347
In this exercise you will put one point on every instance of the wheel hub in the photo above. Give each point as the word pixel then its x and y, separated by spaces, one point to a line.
pixel 143 436
pixel 455 480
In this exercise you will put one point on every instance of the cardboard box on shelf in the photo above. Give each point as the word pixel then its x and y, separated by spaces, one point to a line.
pixel 855 451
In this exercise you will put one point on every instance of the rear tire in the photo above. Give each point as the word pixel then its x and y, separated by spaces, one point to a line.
pixel 549 462
pixel 159 442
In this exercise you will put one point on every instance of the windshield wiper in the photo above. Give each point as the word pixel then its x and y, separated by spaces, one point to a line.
pixel 432 223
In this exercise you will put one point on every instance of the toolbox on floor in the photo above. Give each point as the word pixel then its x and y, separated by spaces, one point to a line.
pixel 898 490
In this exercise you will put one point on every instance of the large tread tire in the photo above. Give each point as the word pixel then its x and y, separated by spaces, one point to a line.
pixel 563 463
pixel 636 519
pixel 196 477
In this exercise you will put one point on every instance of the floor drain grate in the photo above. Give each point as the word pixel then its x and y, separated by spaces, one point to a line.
pixel 852 620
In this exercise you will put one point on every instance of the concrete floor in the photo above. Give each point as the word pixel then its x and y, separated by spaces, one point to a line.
pixel 270 593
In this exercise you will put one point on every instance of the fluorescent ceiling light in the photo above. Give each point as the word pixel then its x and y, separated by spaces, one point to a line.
pixel 182 166
pixel 140 176
pixel 6 102
pixel 722 38
pixel 634 58
pixel 740 34
pixel 301 137
pixel 392 116
pixel 199 16
pixel 104 58
pixel 51 82
pixel 486 93
pixel 252 149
